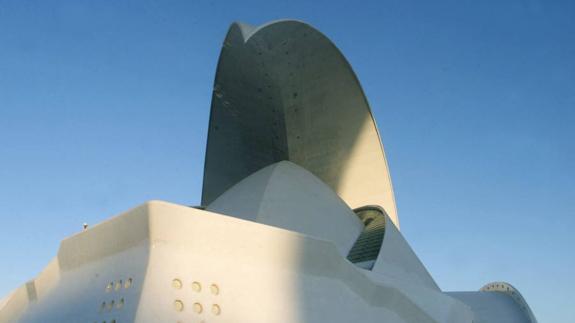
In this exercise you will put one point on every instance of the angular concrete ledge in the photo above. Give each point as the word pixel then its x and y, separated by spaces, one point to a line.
pixel 162 250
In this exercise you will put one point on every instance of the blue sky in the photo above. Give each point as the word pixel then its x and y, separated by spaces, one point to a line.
pixel 104 105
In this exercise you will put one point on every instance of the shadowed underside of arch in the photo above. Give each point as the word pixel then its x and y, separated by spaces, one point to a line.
pixel 283 91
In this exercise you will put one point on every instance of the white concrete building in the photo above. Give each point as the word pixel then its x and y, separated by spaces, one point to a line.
pixel 298 222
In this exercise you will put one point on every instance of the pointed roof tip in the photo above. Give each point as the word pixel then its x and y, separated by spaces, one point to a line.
pixel 248 30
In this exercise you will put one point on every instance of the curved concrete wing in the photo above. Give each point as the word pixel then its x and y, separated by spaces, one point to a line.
pixel 397 260
pixel 283 91
pixel 382 249
pixel 292 251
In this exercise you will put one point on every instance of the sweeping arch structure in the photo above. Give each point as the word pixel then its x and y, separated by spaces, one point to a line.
pixel 283 91
pixel 280 239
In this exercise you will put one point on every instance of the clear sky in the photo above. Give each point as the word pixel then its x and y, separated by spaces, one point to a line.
pixel 104 105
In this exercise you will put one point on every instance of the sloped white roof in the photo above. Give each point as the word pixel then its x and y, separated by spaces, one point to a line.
pixel 286 195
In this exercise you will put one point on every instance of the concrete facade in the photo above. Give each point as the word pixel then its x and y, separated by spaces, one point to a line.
pixel 298 223
pixel 283 91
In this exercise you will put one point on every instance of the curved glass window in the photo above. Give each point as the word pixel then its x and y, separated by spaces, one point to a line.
pixel 366 249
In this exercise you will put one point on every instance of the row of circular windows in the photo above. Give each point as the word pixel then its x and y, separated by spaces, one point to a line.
pixel 197 308
pixel 117 285
pixel 196 286
pixel 111 305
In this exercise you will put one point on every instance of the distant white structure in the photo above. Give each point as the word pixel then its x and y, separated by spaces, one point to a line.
pixel 298 222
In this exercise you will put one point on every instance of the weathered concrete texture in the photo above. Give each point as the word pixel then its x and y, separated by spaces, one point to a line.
pixel 283 91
